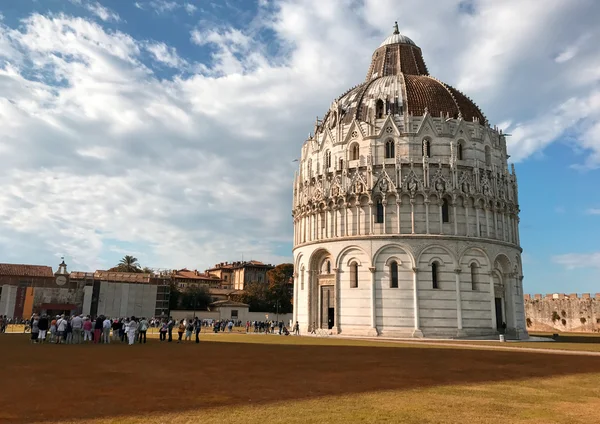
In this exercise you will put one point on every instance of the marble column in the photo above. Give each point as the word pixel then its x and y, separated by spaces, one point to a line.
pixel 417 326
pixel 398 209
pixel 373 302
pixel 459 321
pixel 493 302
pixel 426 216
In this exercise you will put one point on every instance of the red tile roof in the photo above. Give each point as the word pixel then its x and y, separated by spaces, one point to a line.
pixel 194 275
pixel 19 270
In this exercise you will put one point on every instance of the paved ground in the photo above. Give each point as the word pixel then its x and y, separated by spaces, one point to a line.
pixel 71 383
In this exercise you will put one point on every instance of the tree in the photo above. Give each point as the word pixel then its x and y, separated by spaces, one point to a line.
pixel 280 288
pixel 195 298
pixel 272 297
pixel 129 264
pixel 174 295
pixel 255 295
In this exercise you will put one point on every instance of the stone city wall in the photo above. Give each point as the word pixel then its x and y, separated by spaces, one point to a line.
pixel 563 313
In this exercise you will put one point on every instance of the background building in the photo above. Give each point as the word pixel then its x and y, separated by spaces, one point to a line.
pixel 25 289
pixel 405 211
pixel 121 294
pixel 184 278
pixel 237 274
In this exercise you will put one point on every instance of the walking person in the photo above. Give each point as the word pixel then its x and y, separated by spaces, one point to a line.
pixel 87 329
pixel 197 327
pixel 189 328
pixel 53 329
pixel 43 327
pixel 122 328
pixel 35 329
pixel 77 325
pixel 69 333
pixel 115 330
pixel 143 328
pixel 98 326
pixel 61 329
pixel 106 326
pixel 131 329
pixel 163 331
pixel 180 330
pixel 170 326
pixel 297 329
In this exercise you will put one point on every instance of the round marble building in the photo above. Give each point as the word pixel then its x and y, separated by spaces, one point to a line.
pixel 405 211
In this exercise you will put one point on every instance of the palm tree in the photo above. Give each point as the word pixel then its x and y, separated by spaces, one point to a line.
pixel 129 264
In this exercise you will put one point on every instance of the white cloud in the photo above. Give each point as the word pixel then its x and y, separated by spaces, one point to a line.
pixel 593 211
pixel 165 54
pixel 190 170
pixel 578 260
pixel 190 8
pixel 102 12
pixel 162 6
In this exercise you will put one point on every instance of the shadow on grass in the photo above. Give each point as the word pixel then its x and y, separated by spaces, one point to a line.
pixel 110 380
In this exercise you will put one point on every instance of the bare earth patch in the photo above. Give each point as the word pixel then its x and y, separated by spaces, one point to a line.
pixel 291 380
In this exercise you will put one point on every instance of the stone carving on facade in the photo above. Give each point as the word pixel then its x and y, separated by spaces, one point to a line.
pixel 485 185
pixel 466 183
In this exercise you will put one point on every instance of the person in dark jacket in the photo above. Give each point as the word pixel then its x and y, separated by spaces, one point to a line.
pixel 197 327
pixel 98 329
pixel 43 325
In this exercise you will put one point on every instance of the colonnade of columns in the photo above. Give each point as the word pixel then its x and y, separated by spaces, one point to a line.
pixel 314 309
pixel 356 220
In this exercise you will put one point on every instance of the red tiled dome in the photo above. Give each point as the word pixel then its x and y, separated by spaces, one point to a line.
pixel 399 77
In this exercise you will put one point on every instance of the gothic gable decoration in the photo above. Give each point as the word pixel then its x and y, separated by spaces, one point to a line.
pixel 384 183
pixel 358 184
pixel 466 183
pixel 439 182
pixel 412 183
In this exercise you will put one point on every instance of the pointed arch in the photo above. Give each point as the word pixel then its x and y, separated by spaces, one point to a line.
pixel 390 149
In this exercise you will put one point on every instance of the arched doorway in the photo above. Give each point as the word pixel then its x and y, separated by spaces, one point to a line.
pixel 503 293
pixel 322 301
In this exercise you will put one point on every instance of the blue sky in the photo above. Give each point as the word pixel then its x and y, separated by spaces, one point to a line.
pixel 167 128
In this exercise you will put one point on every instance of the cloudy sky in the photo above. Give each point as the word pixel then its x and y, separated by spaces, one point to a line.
pixel 167 129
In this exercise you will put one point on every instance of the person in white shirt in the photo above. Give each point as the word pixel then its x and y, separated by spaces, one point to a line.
pixel 77 325
pixel 106 324
pixel 131 329
pixel 61 328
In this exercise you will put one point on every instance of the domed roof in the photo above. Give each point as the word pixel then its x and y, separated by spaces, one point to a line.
pixel 397 38
pixel 398 77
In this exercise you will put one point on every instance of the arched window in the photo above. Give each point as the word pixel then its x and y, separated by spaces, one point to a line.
pixel 426 148
pixel 379 217
pixel 434 275
pixel 379 109
pixel 473 276
pixel 445 211
pixel 328 267
pixel 328 159
pixel 488 156
pixel 394 275
pixel 353 275
pixel 354 152
pixel 459 151
pixel 389 149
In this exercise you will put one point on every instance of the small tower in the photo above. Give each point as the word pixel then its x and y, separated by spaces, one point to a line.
pixel 62 275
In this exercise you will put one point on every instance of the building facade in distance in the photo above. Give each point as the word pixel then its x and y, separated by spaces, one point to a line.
pixel 405 211
pixel 237 274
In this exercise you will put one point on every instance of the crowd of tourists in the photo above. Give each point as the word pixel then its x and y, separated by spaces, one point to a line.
pixel 79 329
pixel 61 329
